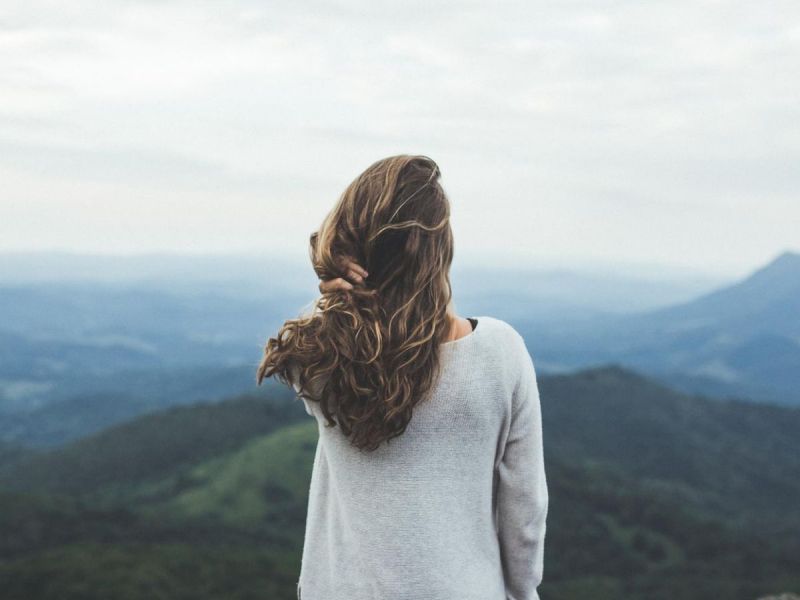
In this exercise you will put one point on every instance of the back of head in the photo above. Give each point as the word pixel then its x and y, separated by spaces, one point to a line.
pixel 369 354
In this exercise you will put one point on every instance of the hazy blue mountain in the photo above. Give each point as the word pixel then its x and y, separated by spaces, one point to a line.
pixel 100 328
pixel 248 274
pixel 62 340
pixel 541 293
pixel 742 340
pixel 100 402
pixel 606 288
pixel 766 302
pixel 87 341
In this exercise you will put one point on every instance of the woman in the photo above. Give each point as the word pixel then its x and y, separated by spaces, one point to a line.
pixel 450 504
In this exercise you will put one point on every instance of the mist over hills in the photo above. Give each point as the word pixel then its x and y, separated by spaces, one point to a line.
pixel 88 341
pixel 612 287
pixel 768 301
pixel 742 340
pixel 78 355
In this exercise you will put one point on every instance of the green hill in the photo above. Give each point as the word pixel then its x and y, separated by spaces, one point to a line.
pixel 732 459
pixel 264 482
pixel 654 495
pixel 605 525
pixel 149 447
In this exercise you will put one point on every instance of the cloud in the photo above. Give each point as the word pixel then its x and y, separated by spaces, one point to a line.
pixel 542 111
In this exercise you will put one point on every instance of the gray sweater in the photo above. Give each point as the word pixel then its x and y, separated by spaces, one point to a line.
pixel 455 507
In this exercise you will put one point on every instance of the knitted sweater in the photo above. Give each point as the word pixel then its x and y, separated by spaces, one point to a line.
pixel 452 509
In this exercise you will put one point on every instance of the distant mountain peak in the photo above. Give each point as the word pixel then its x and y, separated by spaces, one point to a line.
pixel 785 266
pixel 785 259
pixel 773 287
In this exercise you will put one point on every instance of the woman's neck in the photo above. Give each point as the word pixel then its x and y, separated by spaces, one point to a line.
pixel 459 327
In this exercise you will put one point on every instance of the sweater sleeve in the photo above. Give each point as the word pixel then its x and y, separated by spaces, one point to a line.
pixel 522 496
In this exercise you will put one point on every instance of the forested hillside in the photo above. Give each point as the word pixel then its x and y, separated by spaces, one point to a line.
pixel 654 494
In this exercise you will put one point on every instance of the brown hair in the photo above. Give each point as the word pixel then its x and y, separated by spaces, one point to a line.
pixel 367 355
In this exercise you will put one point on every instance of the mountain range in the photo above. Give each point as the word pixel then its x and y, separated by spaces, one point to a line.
pixel 742 340
pixel 79 356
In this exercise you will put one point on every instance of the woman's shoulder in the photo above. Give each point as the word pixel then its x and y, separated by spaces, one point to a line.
pixel 500 329
pixel 504 341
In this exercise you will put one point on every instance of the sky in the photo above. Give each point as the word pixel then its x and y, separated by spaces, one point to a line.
pixel 605 132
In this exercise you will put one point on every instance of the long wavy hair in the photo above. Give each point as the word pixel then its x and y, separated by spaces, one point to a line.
pixel 369 354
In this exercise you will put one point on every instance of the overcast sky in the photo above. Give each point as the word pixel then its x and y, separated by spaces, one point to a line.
pixel 572 132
